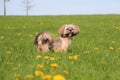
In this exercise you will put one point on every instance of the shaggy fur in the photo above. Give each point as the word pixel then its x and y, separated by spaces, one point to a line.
pixel 63 42
pixel 45 42
pixel 42 40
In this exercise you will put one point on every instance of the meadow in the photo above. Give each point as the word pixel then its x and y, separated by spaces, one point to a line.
pixel 94 53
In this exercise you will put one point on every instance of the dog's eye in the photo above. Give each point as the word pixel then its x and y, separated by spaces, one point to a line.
pixel 44 41
pixel 67 29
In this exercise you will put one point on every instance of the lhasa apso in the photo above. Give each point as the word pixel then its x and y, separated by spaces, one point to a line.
pixel 45 42
pixel 63 42
pixel 42 40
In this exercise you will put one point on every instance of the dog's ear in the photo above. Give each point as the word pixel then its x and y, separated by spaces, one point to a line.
pixel 48 36
pixel 36 41
pixel 77 29
pixel 61 29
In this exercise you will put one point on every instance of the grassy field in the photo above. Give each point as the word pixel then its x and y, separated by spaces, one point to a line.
pixel 94 53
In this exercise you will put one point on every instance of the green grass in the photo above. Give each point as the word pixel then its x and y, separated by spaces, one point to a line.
pixel 95 51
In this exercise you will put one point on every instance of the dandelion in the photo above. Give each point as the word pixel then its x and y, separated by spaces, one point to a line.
pixel 52 58
pixel 24 27
pixel 111 48
pixel 118 48
pixel 47 77
pixel 17 76
pixel 58 77
pixel 56 51
pixel 54 65
pixel 38 73
pixel 75 57
pixel 96 49
pixel 2 37
pixel 15 68
pixel 41 23
pixel 87 52
pixel 36 33
pixel 8 53
pixel 46 57
pixel 65 72
pixel 30 35
pixel 38 56
pixel 8 62
pixel 54 35
pixel 70 57
pixel 113 42
pixel 19 34
pixel 117 28
pixel 9 27
pixel 39 66
pixel 29 76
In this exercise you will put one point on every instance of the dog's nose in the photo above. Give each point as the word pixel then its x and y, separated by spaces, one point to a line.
pixel 70 30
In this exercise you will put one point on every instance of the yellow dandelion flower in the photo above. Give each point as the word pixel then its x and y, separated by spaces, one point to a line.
pixel 36 33
pixel 118 48
pixel 52 58
pixel 87 52
pixel 65 72
pixel 39 66
pixel 29 76
pixel 75 57
pixel 38 56
pixel 2 37
pixel 117 28
pixel 41 23
pixel 70 57
pixel 9 27
pixel 56 51
pixel 24 27
pixel 58 77
pixel 15 68
pixel 113 42
pixel 8 62
pixel 96 49
pixel 16 75
pixel 46 57
pixel 111 48
pixel 54 35
pixel 30 35
pixel 54 65
pixel 19 34
pixel 47 77
pixel 38 73
pixel 8 53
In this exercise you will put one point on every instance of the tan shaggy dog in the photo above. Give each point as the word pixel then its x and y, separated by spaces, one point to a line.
pixel 63 42
pixel 45 42
pixel 42 40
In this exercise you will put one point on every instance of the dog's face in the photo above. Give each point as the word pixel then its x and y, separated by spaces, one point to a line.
pixel 42 41
pixel 69 30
